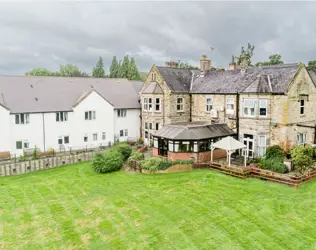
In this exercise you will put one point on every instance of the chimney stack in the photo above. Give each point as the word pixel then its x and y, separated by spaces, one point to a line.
pixel 205 65
pixel 233 64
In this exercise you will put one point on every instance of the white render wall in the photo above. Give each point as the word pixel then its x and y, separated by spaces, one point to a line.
pixel 76 127
pixel 131 122
pixel 4 129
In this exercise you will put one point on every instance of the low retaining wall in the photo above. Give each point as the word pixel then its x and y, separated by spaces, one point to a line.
pixel 46 163
pixel 174 169
pixel 255 172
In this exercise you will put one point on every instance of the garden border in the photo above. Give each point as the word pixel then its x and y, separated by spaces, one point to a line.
pixel 255 172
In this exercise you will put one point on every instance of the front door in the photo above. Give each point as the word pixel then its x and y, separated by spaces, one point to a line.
pixel 248 141
pixel 163 147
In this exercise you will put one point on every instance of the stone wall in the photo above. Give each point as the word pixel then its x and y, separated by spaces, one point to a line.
pixel 15 168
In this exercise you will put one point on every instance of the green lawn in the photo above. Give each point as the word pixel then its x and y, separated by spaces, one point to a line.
pixel 73 208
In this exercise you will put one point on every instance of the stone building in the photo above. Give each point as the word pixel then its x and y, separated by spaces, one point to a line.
pixel 269 105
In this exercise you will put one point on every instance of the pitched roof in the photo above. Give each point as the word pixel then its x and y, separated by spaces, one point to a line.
pixel 228 143
pixel 49 94
pixel 137 85
pixel 312 74
pixel 193 131
pixel 178 80
pixel 152 88
pixel 266 79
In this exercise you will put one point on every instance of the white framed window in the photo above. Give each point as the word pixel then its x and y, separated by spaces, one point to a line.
pixel 121 113
pixel 263 104
pixel 209 104
pixel 85 138
pixel 63 140
pixel 249 107
pixel 150 126
pixel 95 136
pixel 90 115
pixel 150 104
pixel 157 126
pixel 155 142
pixel 302 107
pixel 103 136
pixel 145 106
pixel 19 145
pixel 170 146
pixel 126 132
pixel 22 118
pixel 146 125
pixel 262 145
pixel 176 146
pixel 230 106
pixel 180 104
pixel 61 116
pixel 121 133
pixel 301 138
pixel 157 104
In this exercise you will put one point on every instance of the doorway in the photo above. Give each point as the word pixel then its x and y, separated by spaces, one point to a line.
pixel 162 147
pixel 248 141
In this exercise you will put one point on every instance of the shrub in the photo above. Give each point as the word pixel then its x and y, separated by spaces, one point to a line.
pixel 275 152
pixel 302 157
pixel 274 164
pixel 124 149
pixel 154 164
pixel 110 161
pixel 135 156
pixel 35 154
pixel 191 161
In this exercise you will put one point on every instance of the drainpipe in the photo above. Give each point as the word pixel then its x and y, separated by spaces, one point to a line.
pixel 44 131
pixel 237 115
pixel 190 108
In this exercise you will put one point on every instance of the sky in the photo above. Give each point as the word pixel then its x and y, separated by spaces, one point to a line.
pixel 48 34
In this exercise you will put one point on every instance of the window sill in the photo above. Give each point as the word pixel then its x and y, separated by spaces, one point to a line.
pixel 180 111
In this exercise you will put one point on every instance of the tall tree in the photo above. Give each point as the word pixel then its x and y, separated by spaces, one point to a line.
pixel 133 73
pixel 69 70
pixel 114 68
pixel 98 70
pixel 246 54
pixel 311 66
pixel 124 67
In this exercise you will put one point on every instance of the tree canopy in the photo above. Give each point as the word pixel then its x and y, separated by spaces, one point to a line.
pixel 246 54
pixel 114 68
pixel 123 72
pixel 133 73
pixel 311 66
pixel 67 70
pixel 98 70
pixel 273 60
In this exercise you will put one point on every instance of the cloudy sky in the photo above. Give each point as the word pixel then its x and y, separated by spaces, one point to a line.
pixel 48 34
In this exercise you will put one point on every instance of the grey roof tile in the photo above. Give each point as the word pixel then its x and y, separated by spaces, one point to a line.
pixel 193 131
pixel 49 94
pixel 152 87
pixel 255 79
pixel 178 80
pixel 312 74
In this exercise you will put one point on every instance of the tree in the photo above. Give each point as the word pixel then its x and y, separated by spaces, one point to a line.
pixel 273 60
pixel 312 66
pixel 124 68
pixel 246 54
pixel 302 157
pixel 133 73
pixel 70 70
pixel 40 72
pixel 98 70
pixel 114 68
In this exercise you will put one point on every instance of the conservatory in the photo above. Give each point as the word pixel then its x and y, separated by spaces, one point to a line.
pixel 184 141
